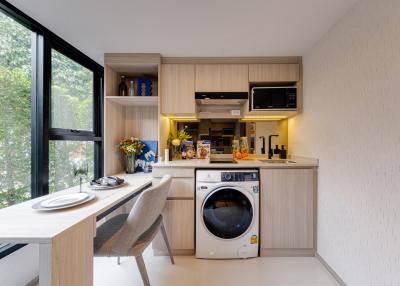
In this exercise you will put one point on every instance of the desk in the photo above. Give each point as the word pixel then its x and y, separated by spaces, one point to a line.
pixel 65 237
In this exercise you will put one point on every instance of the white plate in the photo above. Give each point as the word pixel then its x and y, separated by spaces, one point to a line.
pixel 64 200
pixel 38 205
pixel 100 187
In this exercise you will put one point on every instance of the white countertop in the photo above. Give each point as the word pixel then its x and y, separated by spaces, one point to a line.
pixel 22 224
pixel 300 162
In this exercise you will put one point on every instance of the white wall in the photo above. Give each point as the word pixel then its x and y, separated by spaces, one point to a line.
pixel 351 122
pixel 21 267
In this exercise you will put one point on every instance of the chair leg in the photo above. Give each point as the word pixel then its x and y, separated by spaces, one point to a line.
pixel 142 270
pixel 119 260
pixel 164 234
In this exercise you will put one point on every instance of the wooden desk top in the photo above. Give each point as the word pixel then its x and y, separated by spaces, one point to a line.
pixel 22 224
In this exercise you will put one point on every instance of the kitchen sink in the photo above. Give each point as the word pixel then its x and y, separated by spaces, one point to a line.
pixel 277 161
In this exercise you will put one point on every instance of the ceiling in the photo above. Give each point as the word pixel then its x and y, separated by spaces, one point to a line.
pixel 197 28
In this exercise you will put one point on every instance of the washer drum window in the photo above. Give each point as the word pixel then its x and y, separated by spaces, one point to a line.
pixel 227 213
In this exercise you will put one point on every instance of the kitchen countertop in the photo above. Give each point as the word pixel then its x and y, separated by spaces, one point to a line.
pixel 300 162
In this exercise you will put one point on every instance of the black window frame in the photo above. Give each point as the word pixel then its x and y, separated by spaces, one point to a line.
pixel 43 41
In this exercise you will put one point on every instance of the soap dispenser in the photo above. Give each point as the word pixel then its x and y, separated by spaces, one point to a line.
pixel 283 152
pixel 277 152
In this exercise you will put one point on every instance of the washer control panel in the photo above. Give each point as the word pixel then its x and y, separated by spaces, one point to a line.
pixel 239 176
pixel 224 175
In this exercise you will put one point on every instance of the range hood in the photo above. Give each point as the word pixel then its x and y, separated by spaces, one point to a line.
pixel 220 104
pixel 221 98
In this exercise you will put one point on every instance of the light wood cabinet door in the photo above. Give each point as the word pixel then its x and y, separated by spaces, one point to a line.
pixel 179 223
pixel 274 72
pixel 177 89
pixel 181 188
pixel 287 209
pixel 222 77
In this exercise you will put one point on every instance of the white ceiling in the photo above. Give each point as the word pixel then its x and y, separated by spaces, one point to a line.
pixel 213 28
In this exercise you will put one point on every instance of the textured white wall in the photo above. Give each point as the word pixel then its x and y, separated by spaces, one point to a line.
pixel 351 122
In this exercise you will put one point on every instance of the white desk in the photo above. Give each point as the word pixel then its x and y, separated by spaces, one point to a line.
pixel 65 237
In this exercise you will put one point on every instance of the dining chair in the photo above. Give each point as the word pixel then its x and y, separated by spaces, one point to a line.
pixel 130 234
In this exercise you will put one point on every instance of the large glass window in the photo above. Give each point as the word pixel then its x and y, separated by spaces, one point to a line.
pixel 71 94
pixel 72 108
pixel 15 111
pixel 62 157
pixel 44 129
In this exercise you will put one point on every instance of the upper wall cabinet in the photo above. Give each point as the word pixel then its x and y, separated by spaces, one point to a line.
pixel 222 77
pixel 177 89
pixel 274 72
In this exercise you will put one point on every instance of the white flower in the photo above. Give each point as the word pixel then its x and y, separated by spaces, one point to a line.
pixel 176 142
pixel 149 154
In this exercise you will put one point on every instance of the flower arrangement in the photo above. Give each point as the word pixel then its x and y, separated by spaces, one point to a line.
pixel 176 143
pixel 131 146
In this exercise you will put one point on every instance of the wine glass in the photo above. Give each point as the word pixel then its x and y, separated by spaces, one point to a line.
pixel 81 169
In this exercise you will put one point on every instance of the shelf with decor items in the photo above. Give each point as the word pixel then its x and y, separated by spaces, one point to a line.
pixel 129 116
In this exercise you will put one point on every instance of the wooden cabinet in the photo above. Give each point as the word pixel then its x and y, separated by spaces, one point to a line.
pixel 180 188
pixel 287 212
pixel 177 89
pixel 222 77
pixel 179 223
pixel 274 72
pixel 178 213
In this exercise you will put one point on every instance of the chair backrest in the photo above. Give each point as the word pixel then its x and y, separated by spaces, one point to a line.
pixel 144 213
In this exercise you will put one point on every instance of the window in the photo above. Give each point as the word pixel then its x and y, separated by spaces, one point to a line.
pixel 71 94
pixel 50 111
pixel 15 111
pixel 72 115
pixel 62 156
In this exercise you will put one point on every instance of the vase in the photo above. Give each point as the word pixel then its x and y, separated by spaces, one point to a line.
pixel 130 164
pixel 176 153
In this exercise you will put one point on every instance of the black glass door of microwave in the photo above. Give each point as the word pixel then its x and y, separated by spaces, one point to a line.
pixel 227 213
pixel 274 98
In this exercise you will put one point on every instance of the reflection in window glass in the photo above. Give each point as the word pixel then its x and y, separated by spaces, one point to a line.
pixel 71 94
pixel 63 155
pixel 15 112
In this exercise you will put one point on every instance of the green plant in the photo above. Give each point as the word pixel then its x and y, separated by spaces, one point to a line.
pixel 183 136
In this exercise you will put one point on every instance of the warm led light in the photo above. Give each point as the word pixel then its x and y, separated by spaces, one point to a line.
pixel 264 118
pixel 183 118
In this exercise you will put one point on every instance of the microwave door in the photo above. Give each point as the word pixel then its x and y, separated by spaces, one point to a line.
pixel 265 98
pixel 262 99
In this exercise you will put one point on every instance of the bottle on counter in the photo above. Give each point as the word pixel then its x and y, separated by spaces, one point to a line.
pixel 131 89
pixel 277 152
pixel 123 88
pixel 236 150
pixel 283 152
pixel 244 147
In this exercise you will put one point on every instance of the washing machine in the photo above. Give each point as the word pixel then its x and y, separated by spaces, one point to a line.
pixel 227 213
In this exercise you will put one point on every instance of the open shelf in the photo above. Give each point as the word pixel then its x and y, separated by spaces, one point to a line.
pixel 134 100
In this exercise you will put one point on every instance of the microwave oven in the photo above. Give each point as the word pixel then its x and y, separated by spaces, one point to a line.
pixel 273 98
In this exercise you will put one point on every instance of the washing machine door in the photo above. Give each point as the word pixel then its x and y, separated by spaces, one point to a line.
pixel 227 212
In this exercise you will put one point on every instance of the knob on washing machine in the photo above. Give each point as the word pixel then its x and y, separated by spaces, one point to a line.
pixel 227 176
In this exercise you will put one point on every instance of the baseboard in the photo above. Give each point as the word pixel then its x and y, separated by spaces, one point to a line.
pixel 287 252
pixel 34 282
pixel 330 270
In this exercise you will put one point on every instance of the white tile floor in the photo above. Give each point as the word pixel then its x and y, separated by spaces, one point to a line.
pixel 301 271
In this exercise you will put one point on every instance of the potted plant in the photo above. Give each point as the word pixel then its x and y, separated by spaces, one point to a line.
pixel 131 148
